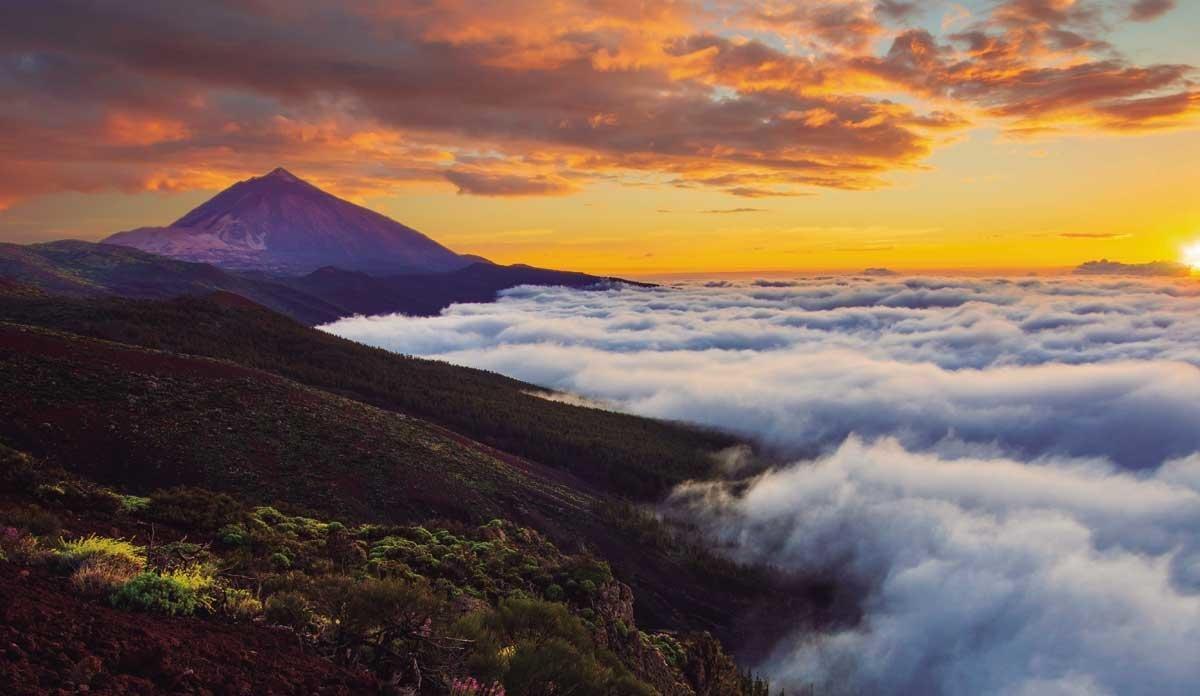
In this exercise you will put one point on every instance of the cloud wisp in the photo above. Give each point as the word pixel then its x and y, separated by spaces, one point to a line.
pixel 1009 466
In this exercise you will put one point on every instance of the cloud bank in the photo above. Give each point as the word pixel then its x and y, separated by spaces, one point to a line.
pixel 986 576
pixel 1009 466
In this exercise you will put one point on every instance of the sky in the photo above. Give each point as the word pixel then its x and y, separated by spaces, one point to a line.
pixel 1005 470
pixel 638 137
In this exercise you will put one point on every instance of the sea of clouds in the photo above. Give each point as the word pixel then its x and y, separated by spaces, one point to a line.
pixel 1011 467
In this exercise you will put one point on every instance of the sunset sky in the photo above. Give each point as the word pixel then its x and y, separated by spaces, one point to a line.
pixel 627 136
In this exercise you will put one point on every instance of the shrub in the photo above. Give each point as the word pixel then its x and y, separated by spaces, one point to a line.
pixel 18 547
pixel 37 520
pixel 75 553
pixel 361 607
pixel 192 508
pixel 197 578
pixel 288 609
pixel 156 593
pixel 268 515
pixel 133 503
pixel 527 644
pixel 102 575
pixel 239 604
pixel 555 593
pixel 233 535
pixel 80 496
pixel 17 469
pixel 669 647
pixel 280 561
pixel 585 569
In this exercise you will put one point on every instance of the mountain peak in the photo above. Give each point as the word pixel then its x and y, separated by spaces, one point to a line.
pixel 281 174
pixel 278 222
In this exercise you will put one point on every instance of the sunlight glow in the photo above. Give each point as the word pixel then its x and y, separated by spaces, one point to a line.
pixel 1191 255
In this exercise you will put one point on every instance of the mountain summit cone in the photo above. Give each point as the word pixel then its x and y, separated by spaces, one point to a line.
pixel 282 224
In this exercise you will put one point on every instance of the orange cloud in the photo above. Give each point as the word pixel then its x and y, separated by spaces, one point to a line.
pixel 129 129
pixel 481 183
pixel 533 98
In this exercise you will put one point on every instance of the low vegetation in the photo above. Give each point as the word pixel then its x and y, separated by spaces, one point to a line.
pixel 443 607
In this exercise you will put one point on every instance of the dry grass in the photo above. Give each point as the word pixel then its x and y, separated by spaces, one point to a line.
pixel 103 574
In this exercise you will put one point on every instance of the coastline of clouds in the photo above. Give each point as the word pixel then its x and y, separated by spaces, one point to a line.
pixel 1009 466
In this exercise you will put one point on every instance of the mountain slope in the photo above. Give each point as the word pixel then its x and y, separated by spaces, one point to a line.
pixel 82 269
pixel 280 223
pixel 635 457
pixel 377 608
pixel 149 419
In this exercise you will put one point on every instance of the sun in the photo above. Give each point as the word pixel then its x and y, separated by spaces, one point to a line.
pixel 1191 255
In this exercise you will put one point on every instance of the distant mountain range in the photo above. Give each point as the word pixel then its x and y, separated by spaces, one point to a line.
pixel 1154 268
pixel 281 243
pixel 283 224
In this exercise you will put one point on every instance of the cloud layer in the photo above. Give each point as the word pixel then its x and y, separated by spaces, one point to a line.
pixel 523 98
pixel 985 576
pixel 1009 466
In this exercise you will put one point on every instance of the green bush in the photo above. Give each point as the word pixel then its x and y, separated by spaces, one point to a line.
pixel 370 605
pixel 79 496
pixel 668 646
pixel 239 604
pixel 233 535
pixel 288 609
pixel 192 508
pixel 156 593
pixel 527 644
pixel 133 503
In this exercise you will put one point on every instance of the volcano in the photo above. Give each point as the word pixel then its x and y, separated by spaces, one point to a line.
pixel 280 223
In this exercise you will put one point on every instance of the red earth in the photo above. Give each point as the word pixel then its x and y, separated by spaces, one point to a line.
pixel 54 642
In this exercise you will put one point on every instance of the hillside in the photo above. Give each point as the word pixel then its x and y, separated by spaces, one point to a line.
pixel 282 224
pixel 635 457
pixel 187 591
pixel 147 420
pixel 83 269
pixel 565 469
